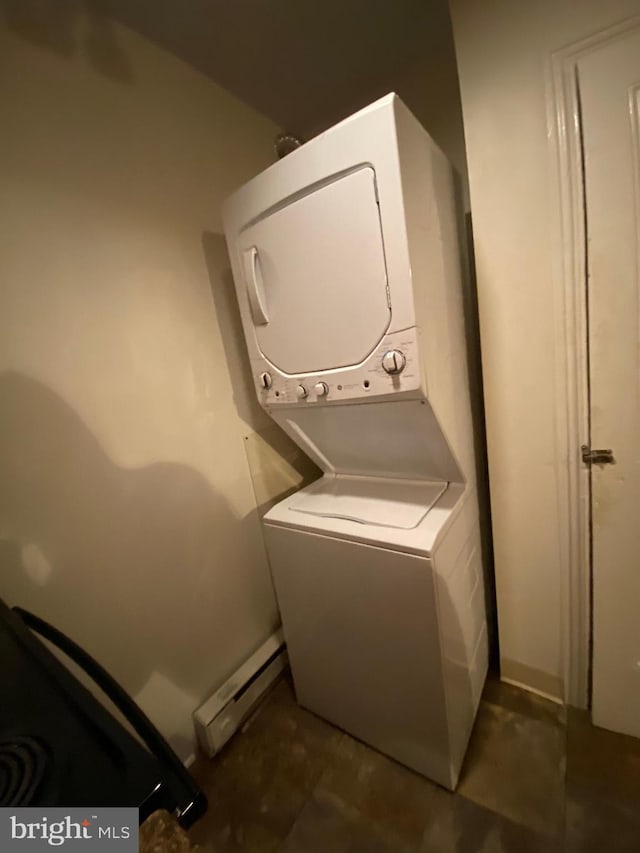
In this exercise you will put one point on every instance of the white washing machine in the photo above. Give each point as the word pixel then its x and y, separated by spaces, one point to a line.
pixel 347 264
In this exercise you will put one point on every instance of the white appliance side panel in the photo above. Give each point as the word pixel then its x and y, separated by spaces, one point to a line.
pixel 440 274
pixel 463 630
pixel 317 270
pixel 362 637
pixel 400 439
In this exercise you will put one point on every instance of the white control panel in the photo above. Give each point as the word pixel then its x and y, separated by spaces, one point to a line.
pixel 392 368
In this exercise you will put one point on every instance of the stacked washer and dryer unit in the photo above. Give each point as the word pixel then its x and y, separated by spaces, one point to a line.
pixel 346 260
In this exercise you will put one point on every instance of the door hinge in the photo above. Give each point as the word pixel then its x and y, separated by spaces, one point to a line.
pixel 597 457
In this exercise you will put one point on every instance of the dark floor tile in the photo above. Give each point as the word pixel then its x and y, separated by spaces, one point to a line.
pixel 603 788
pixel 456 825
pixel 606 762
pixel 595 824
pixel 387 796
pixel 528 704
pixel 233 837
pixel 260 782
pixel 515 767
pixel 328 825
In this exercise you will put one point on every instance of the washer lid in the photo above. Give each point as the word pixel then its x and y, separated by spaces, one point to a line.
pixel 315 276
pixel 382 503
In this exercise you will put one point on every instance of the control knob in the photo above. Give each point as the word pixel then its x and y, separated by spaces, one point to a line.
pixel 394 362
pixel 265 381
pixel 321 389
pixel 301 392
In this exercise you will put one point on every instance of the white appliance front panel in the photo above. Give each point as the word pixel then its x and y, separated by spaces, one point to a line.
pixel 398 438
pixel 367 140
pixel 315 276
pixel 361 627
pixel 384 503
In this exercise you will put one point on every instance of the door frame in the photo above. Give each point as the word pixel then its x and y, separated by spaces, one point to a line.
pixel 571 356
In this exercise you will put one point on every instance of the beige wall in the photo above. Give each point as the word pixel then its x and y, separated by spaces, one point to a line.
pixel 504 50
pixel 127 513
pixel 428 86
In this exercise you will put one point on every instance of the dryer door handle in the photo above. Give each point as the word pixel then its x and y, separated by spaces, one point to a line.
pixel 255 286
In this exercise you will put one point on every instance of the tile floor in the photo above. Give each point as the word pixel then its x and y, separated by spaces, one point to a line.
pixel 536 778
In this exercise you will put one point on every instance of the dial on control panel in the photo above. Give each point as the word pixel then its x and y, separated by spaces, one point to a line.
pixel 394 362
pixel 301 392
pixel 321 389
pixel 265 381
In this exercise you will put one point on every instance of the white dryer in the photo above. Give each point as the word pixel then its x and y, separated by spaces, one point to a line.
pixel 346 259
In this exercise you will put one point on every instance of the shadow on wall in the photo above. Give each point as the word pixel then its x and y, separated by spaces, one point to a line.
pixel 124 561
pixel 70 27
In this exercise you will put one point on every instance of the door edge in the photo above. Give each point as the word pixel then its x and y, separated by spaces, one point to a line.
pixel 571 355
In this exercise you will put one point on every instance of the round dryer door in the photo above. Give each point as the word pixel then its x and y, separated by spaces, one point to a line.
pixel 315 276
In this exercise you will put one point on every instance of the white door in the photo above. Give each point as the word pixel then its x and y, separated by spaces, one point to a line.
pixel 609 81
pixel 316 277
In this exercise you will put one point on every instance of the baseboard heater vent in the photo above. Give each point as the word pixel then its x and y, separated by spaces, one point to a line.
pixel 223 713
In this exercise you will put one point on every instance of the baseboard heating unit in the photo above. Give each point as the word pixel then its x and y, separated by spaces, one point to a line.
pixel 223 713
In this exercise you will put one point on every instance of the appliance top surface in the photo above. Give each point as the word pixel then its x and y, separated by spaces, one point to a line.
pixel 367 496
pixel 397 504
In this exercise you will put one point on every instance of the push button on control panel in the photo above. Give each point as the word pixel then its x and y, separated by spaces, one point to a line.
pixel 393 362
